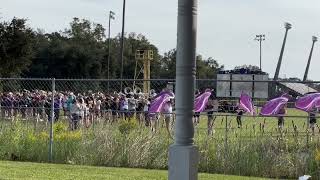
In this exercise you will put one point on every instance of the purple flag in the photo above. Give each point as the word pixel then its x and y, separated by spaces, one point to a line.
pixel 157 104
pixel 308 102
pixel 246 103
pixel 274 106
pixel 201 101
pixel 318 103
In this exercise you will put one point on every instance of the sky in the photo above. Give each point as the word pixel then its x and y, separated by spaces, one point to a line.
pixel 226 28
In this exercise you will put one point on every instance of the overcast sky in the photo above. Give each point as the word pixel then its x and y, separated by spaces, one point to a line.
pixel 226 28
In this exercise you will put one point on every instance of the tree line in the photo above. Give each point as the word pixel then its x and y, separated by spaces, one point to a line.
pixel 81 51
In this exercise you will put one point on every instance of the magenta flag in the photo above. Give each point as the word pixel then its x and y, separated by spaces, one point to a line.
pixel 318 104
pixel 308 102
pixel 273 107
pixel 157 104
pixel 201 101
pixel 246 103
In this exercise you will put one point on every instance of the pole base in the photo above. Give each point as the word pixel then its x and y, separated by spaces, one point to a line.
pixel 183 162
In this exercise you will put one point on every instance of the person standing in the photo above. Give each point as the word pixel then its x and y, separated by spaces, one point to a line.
pixel 312 121
pixel 146 107
pixel 212 107
pixel 77 112
pixel 57 106
pixel 281 114
pixel 124 107
pixel 239 117
pixel 132 105
pixel 168 113
pixel 140 108
pixel 114 106
pixel 196 116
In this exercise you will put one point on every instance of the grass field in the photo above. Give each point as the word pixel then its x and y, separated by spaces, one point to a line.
pixel 257 149
pixel 24 170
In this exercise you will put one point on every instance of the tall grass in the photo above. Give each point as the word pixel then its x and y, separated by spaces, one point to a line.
pixel 246 152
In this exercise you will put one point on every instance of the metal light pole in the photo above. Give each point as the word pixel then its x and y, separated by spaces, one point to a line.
pixel 111 16
pixel 314 39
pixel 260 38
pixel 276 75
pixel 183 155
pixel 122 40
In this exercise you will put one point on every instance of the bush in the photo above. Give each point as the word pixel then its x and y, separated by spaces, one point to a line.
pixel 125 127
pixel 127 145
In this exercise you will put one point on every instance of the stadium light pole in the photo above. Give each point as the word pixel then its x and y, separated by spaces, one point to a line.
pixel 183 154
pixel 122 40
pixel 111 16
pixel 287 27
pixel 314 39
pixel 260 38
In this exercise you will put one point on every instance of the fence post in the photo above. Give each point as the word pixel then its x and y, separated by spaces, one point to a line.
pixel 51 120
pixel 225 145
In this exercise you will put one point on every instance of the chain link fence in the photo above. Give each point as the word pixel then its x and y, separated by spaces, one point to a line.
pixel 256 147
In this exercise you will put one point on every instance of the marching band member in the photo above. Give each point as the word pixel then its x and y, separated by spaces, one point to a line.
pixel 212 107
pixel 281 114
pixel 312 120
pixel 168 113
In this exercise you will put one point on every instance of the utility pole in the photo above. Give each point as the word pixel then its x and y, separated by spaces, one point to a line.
pixel 314 39
pixel 260 38
pixel 183 154
pixel 122 41
pixel 287 27
pixel 111 16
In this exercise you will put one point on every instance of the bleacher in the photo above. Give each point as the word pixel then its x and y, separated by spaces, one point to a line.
pixel 299 88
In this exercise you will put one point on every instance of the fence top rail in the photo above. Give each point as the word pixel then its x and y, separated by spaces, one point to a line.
pixel 170 80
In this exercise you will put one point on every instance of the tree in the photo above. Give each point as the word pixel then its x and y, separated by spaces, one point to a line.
pixel 206 69
pixel 168 64
pixel 16 47
pixel 78 52
pixel 82 52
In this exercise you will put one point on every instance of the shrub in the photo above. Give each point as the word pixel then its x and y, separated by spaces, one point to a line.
pixel 127 145
pixel 125 127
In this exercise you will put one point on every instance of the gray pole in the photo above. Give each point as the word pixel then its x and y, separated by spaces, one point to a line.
pixel 276 75
pixel 51 121
pixel 122 40
pixel 314 39
pixel 109 46
pixel 260 56
pixel 260 38
pixel 183 155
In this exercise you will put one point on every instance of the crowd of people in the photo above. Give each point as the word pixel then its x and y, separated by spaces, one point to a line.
pixel 86 108
pixel 89 107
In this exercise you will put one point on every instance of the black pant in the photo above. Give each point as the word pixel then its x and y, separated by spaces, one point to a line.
pixel 75 119
pixel 239 122
pixel 280 122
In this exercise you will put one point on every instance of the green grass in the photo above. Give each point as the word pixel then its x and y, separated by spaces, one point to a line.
pixel 253 123
pixel 24 170
pixel 250 151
